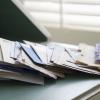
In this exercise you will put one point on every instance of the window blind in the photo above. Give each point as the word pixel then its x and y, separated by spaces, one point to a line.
pixel 72 14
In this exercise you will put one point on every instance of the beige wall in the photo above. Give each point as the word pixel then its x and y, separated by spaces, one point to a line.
pixel 74 37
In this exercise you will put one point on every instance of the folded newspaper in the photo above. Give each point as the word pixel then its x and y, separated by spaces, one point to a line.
pixel 32 62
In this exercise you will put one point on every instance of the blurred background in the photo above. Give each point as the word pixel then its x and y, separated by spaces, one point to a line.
pixel 68 21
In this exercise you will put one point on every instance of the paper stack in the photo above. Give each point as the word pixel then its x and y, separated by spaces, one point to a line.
pixel 32 62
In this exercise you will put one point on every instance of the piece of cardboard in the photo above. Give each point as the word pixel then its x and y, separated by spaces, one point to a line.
pixel 21 76
pixel 87 56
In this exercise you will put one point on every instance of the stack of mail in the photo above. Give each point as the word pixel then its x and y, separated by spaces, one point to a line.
pixel 80 58
pixel 32 62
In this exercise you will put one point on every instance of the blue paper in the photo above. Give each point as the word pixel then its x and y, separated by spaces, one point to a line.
pixel 31 53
